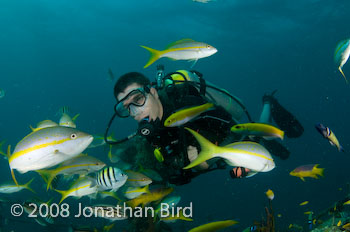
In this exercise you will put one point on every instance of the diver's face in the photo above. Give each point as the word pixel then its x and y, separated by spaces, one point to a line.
pixel 151 109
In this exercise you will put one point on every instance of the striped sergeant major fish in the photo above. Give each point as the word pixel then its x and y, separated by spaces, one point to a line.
pixel 328 134
pixel 111 178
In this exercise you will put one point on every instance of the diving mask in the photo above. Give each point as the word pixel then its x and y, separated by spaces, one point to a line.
pixel 132 103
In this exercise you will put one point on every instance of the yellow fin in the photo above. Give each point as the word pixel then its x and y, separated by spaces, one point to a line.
pixel 110 153
pixel 341 71
pixel 320 171
pixel 48 176
pixel 155 55
pixel 207 149
pixel 63 193
pixel 32 128
pixel 27 185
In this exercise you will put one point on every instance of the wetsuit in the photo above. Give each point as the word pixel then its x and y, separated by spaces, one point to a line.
pixel 173 142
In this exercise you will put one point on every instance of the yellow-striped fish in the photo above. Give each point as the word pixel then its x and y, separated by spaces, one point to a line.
pixel 82 187
pixel 341 55
pixel 82 165
pixel 213 226
pixel 46 148
pixel 183 116
pixel 137 179
pixel 133 192
pixel 11 188
pixel 240 154
pixel 185 49
pixel 258 129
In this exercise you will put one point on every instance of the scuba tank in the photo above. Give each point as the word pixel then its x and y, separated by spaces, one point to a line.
pixel 212 93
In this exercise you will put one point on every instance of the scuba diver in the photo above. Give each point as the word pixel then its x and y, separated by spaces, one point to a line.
pixel 168 149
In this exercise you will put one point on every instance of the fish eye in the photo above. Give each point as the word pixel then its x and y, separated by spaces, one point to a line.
pixel 238 127
pixel 73 136
pixel 208 46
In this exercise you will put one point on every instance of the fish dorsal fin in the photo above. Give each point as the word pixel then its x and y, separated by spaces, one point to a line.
pixel 176 43
pixel 328 131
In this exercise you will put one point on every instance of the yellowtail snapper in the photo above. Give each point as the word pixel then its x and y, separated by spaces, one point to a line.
pixel 46 148
pixel 11 188
pixel 183 116
pixel 240 154
pixel 258 129
pixel 82 165
pixel 185 49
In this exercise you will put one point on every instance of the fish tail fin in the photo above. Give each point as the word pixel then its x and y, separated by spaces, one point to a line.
pixel 341 148
pixel 27 185
pixel 47 176
pixel 342 73
pixel 155 55
pixel 320 171
pixel 112 194
pixel 282 135
pixel 147 189
pixel 63 193
pixel 207 149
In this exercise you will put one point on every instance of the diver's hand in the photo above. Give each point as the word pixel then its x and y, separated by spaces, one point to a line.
pixel 193 154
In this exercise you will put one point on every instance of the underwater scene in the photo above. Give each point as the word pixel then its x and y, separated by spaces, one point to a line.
pixel 187 115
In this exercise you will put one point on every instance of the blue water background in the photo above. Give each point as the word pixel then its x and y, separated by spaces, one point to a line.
pixel 57 53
